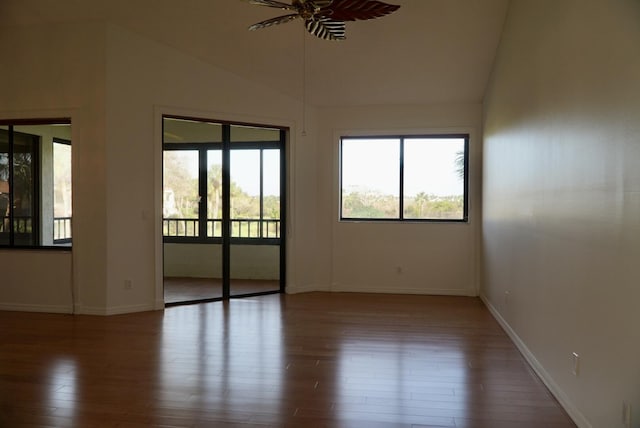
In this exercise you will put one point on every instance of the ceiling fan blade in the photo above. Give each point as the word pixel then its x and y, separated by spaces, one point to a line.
pixel 325 28
pixel 353 10
pixel 274 21
pixel 272 3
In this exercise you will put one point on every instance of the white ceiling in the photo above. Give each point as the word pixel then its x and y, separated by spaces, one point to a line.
pixel 427 52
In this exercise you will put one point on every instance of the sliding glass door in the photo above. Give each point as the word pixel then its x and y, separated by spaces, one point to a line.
pixel 255 210
pixel 222 205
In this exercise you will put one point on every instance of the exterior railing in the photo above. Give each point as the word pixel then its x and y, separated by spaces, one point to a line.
pixel 21 224
pixel 61 230
pixel 180 227
pixel 240 228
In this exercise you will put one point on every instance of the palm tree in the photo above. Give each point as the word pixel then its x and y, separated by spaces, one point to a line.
pixel 420 200
pixel 459 164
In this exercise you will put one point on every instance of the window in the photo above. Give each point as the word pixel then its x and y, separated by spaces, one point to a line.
pixel 35 183
pixel 410 178
pixel 193 154
pixel 61 191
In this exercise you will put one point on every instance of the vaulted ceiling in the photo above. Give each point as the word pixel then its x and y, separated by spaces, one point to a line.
pixel 427 52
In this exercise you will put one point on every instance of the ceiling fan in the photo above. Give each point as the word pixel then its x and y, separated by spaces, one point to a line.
pixel 325 18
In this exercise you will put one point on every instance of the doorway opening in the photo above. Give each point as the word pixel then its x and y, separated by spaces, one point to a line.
pixel 224 210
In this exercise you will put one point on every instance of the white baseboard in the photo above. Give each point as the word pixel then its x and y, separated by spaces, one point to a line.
pixel 52 309
pixel 557 392
pixel 343 288
pixel 307 288
pixel 115 310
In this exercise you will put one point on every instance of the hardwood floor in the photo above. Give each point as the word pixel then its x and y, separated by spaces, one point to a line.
pixel 306 360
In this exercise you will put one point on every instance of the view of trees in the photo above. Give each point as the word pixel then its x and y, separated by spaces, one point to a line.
pixel 432 181
pixel 62 179
pixel 369 204
pixel 181 198
pixel 22 180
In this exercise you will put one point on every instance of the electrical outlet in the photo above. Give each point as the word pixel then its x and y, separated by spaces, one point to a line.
pixel 128 284
pixel 576 364
pixel 507 293
pixel 626 414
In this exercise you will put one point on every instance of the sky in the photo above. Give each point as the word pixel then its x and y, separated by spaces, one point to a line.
pixel 367 164
pixel 429 165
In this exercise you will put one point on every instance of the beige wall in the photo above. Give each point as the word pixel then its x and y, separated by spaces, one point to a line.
pixel 36 281
pixel 561 227
pixel 146 79
pixel 119 86
pixel 58 71
pixel 115 86
pixel 434 258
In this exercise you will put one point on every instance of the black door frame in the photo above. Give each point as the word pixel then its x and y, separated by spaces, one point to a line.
pixel 226 147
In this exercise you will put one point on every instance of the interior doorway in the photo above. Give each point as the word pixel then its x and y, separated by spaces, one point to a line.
pixel 223 210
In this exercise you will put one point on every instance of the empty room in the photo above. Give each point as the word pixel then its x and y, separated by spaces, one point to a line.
pixel 320 213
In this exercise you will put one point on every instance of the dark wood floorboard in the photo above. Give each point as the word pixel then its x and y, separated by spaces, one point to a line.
pixel 306 360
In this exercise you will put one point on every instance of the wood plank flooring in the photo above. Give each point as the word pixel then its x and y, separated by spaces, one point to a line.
pixel 306 360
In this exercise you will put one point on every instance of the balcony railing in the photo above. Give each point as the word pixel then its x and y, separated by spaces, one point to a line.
pixel 21 224
pixel 240 228
pixel 23 229
pixel 61 230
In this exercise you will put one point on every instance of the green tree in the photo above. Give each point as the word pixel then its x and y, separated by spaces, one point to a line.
pixel 214 192
pixel 421 200
pixel 178 179
pixel 459 164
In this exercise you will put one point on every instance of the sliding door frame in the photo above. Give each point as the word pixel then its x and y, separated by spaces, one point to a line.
pixel 227 146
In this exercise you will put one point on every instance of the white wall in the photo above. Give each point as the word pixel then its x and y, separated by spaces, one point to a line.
pixel 434 258
pixel 66 70
pixel 36 280
pixel 116 84
pixel 58 71
pixel 146 79
pixel 561 226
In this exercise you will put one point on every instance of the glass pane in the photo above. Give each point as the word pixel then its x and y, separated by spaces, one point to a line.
pixel 271 194
pixel 192 272
pixel 370 178
pixel 214 193
pixel 4 185
pixel 252 134
pixel 61 192
pixel 254 269
pixel 245 193
pixel 190 131
pixel 434 178
pixel 25 180
pixel 28 199
pixel 180 193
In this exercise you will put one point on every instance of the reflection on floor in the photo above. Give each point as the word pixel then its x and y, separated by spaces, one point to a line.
pixel 188 289
pixel 301 360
